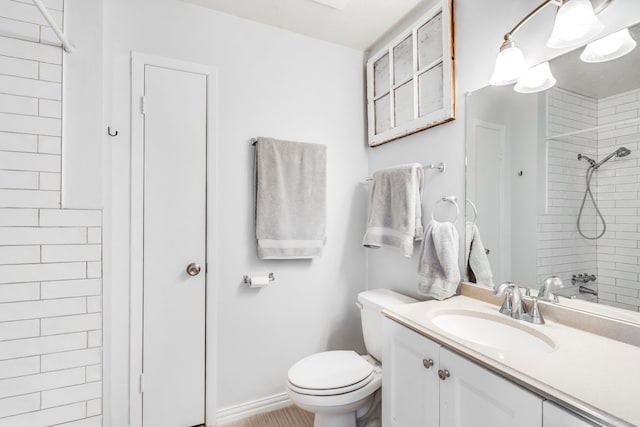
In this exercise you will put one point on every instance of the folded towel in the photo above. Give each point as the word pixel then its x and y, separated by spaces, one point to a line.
pixel 477 266
pixel 438 268
pixel 290 199
pixel 395 209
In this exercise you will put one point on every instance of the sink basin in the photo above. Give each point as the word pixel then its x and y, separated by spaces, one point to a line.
pixel 497 331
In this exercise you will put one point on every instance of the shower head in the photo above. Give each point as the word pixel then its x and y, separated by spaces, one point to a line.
pixel 588 159
pixel 620 152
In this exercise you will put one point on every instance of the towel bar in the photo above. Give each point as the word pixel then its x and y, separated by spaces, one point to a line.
pixel 440 166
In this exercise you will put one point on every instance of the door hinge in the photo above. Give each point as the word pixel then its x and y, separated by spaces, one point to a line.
pixel 143 105
pixel 141 383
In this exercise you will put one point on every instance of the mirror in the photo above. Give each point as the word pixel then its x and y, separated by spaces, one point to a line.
pixel 529 158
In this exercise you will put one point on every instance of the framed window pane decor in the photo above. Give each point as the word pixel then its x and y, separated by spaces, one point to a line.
pixel 410 83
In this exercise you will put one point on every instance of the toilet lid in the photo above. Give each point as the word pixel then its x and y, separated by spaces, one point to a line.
pixel 329 370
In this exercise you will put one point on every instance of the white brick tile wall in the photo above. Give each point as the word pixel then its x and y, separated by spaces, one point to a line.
pixel 41 382
pixel 66 324
pixel 20 329
pixel 37 272
pixel 615 258
pixel 71 359
pixel 19 67
pixel 41 345
pixel 70 218
pixel 29 198
pixel 71 288
pixel 65 253
pixel 19 292
pixel 19 367
pixel 78 393
pixel 50 258
pixel 18 142
pixel 17 218
pixel 47 417
pixel 27 50
pixel 19 404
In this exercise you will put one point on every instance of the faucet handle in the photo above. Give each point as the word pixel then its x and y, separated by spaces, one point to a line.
pixel 536 316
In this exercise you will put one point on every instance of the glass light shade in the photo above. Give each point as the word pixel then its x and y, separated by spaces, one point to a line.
pixel 610 47
pixel 509 66
pixel 576 22
pixel 536 79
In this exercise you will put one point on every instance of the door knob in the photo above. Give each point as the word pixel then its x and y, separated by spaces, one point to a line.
pixel 427 363
pixel 443 374
pixel 193 269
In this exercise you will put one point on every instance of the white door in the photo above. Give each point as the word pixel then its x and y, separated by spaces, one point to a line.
pixel 410 393
pixel 175 135
pixel 488 184
pixel 473 396
pixel 555 416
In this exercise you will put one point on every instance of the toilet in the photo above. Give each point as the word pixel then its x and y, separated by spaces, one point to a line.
pixel 339 386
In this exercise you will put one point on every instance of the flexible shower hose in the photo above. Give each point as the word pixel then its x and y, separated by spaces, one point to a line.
pixel 588 192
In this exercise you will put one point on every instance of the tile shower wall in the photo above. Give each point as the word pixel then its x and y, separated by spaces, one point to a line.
pixel 619 196
pixel 614 258
pixel 561 250
pixel 50 258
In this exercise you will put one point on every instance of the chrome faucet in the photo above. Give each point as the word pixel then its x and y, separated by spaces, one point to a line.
pixel 550 283
pixel 514 306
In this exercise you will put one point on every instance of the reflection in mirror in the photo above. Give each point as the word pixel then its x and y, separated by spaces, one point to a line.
pixel 555 177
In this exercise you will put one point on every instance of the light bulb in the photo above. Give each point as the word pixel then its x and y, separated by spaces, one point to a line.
pixel 576 22
pixel 610 47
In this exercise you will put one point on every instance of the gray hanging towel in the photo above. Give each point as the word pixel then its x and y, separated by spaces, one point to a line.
pixel 290 199
pixel 395 209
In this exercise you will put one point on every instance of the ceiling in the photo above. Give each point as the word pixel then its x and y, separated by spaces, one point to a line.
pixel 602 79
pixel 358 25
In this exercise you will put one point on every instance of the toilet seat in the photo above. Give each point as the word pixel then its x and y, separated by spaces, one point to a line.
pixel 332 373
pixel 332 391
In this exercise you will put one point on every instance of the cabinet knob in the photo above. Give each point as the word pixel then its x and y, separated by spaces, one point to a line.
pixel 443 374
pixel 427 363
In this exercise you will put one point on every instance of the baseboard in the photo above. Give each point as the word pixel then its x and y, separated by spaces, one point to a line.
pixel 260 406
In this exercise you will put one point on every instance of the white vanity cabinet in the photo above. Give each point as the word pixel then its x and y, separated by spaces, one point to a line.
pixel 555 416
pixel 426 385
pixel 410 385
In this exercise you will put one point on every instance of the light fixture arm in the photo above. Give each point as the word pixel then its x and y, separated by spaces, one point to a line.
pixel 529 16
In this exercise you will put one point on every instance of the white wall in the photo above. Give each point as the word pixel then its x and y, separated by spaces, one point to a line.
pixel 479 30
pixel 50 258
pixel 271 83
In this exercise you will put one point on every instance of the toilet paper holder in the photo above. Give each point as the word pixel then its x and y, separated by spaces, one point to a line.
pixel 247 279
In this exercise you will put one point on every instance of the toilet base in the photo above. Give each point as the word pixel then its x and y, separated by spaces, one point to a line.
pixel 335 420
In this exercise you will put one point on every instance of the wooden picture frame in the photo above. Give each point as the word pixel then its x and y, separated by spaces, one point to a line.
pixel 411 81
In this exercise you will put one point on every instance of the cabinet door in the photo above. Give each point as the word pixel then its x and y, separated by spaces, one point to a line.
pixel 409 378
pixel 555 416
pixel 473 396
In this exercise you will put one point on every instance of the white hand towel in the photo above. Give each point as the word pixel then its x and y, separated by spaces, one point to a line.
pixel 477 266
pixel 290 199
pixel 438 270
pixel 395 209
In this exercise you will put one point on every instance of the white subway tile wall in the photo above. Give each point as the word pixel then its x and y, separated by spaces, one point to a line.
pixel 619 249
pixel 50 258
pixel 614 258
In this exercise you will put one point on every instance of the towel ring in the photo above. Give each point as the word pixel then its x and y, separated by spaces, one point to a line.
pixel 450 199
pixel 475 210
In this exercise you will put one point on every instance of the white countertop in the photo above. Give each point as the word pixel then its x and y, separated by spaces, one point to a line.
pixel 595 376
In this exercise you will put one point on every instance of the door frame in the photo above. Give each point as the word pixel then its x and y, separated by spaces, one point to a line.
pixel 138 63
pixel 505 212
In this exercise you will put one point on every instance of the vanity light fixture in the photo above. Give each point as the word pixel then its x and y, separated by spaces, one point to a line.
pixel 609 47
pixel 575 23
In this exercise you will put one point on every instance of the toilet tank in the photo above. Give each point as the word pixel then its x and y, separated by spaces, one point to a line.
pixel 371 304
